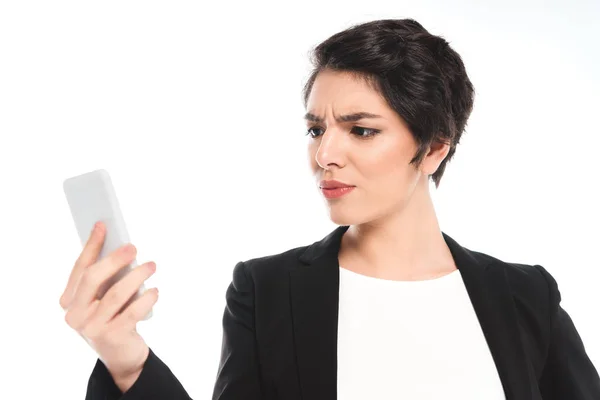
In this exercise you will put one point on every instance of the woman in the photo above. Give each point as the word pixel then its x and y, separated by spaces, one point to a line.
pixel 386 305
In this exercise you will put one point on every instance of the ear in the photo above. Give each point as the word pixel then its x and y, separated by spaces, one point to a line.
pixel 436 153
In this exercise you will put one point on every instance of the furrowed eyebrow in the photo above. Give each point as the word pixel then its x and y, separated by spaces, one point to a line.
pixel 343 118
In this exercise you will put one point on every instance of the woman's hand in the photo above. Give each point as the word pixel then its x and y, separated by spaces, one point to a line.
pixel 112 334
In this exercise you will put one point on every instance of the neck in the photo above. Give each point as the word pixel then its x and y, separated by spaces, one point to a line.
pixel 406 244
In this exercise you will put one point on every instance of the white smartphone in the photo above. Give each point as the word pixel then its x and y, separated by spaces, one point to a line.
pixel 92 197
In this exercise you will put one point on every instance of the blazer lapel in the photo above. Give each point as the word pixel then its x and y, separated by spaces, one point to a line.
pixel 488 288
pixel 314 286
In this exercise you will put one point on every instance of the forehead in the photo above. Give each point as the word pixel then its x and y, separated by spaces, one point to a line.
pixel 344 92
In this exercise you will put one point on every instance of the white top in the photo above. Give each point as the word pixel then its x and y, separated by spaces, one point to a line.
pixel 412 340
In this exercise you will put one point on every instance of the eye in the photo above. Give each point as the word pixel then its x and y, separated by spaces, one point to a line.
pixel 309 131
pixel 360 128
pixel 361 131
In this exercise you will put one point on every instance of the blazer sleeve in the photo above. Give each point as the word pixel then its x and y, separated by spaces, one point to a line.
pixel 238 375
pixel 156 382
pixel 568 372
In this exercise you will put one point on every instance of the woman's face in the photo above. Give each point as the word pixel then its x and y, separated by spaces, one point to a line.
pixel 372 154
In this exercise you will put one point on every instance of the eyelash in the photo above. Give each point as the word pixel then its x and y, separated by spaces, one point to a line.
pixel 374 131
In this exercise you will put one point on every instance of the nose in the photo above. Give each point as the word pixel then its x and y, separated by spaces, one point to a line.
pixel 331 149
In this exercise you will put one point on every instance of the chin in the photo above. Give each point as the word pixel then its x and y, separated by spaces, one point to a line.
pixel 340 215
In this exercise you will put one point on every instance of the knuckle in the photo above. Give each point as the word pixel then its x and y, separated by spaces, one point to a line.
pixel 78 264
pixel 72 320
pixel 131 316
pixel 84 258
pixel 121 258
pixel 68 318
pixel 90 277
pixel 63 302
pixel 113 296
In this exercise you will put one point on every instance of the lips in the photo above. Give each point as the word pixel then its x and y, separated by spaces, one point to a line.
pixel 333 184
pixel 337 192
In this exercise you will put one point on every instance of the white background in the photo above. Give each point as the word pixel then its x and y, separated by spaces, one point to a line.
pixel 195 110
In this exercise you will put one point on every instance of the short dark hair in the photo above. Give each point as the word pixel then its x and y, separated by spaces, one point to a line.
pixel 417 73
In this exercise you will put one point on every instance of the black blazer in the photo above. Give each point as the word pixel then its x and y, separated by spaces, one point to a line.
pixel 280 331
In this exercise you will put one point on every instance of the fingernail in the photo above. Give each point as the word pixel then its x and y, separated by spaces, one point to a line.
pixel 151 266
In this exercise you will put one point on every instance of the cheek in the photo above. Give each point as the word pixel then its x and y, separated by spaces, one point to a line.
pixel 378 163
pixel 386 171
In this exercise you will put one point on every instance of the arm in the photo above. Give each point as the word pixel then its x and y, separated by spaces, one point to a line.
pixel 238 375
pixel 568 372
pixel 155 382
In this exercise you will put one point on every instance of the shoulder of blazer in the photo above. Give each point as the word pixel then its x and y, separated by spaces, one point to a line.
pixel 277 266
pixel 273 266
pixel 535 294
pixel 531 285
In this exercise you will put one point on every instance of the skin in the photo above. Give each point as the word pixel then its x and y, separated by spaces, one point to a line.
pixel 112 334
pixel 394 232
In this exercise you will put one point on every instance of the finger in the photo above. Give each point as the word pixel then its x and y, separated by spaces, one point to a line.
pixel 92 248
pixel 91 279
pixel 119 294
pixel 83 331
pixel 136 311
pixel 87 257
pixel 100 272
pixel 77 318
